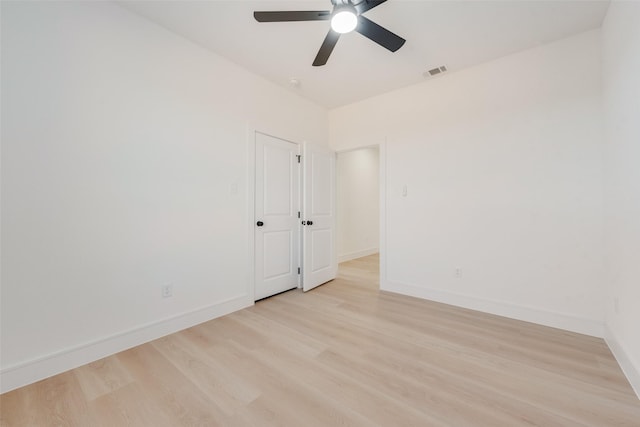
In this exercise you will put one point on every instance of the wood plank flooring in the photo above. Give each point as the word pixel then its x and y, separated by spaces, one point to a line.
pixel 344 354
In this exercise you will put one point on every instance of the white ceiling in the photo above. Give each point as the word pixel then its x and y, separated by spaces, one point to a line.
pixel 457 34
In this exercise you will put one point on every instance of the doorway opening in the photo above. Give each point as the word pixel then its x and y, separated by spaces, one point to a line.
pixel 358 203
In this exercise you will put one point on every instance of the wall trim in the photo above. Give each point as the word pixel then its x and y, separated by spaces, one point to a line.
pixel 566 322
pixel 357 254
pixel 33 370
pixel 631 371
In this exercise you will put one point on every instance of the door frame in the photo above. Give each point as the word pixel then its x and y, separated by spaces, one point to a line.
pixel 251 131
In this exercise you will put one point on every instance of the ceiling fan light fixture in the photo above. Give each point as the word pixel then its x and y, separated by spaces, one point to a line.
pixel 344 19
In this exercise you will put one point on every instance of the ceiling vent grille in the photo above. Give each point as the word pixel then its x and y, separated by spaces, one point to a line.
pixel 435 71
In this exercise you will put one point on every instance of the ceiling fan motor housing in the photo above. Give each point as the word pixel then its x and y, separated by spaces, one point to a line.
pixel 347 2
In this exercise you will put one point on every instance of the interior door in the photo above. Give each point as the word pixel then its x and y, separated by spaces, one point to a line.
pixel 277 227
pixel 319 216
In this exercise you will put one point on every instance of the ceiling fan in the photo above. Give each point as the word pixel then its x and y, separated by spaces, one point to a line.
pixel 345 17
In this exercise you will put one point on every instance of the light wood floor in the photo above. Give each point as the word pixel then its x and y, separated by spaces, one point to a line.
pixel 343 354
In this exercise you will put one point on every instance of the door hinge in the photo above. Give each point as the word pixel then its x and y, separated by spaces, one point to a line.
pixel 298 270
pixel 299 157
pixel 298 214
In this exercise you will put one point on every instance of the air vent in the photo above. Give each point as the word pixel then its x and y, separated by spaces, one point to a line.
pixel 435 71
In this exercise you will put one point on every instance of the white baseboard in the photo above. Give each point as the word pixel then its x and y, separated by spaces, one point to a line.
pixel 357 254
pixel 631 371
pixel 528 314
pixel 30 371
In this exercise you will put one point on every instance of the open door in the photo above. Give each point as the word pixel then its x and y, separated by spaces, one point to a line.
pixel 277 227
pixel 318 217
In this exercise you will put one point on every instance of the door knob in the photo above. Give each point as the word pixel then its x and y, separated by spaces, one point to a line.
pixel 259 223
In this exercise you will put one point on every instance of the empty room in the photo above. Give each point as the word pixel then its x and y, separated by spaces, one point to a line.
pixel 320 213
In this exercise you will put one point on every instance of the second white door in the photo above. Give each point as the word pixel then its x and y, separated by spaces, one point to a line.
pixel 319 234
pixel 277 203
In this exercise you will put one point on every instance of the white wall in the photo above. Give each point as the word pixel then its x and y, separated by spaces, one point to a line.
pixel 358 203
pixel 121 143
pixel 621 48
pixel 502 164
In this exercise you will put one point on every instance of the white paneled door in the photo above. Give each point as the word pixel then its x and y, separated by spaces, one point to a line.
pixel 319 217
pixel 277 236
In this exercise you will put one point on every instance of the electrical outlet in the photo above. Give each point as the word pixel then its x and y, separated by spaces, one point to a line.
pixel 167 291
pixel 457 273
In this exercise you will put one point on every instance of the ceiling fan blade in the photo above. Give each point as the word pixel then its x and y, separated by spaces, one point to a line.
pixel 288 16
pixel 378 34
pixel 367 5
pixel 327 47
